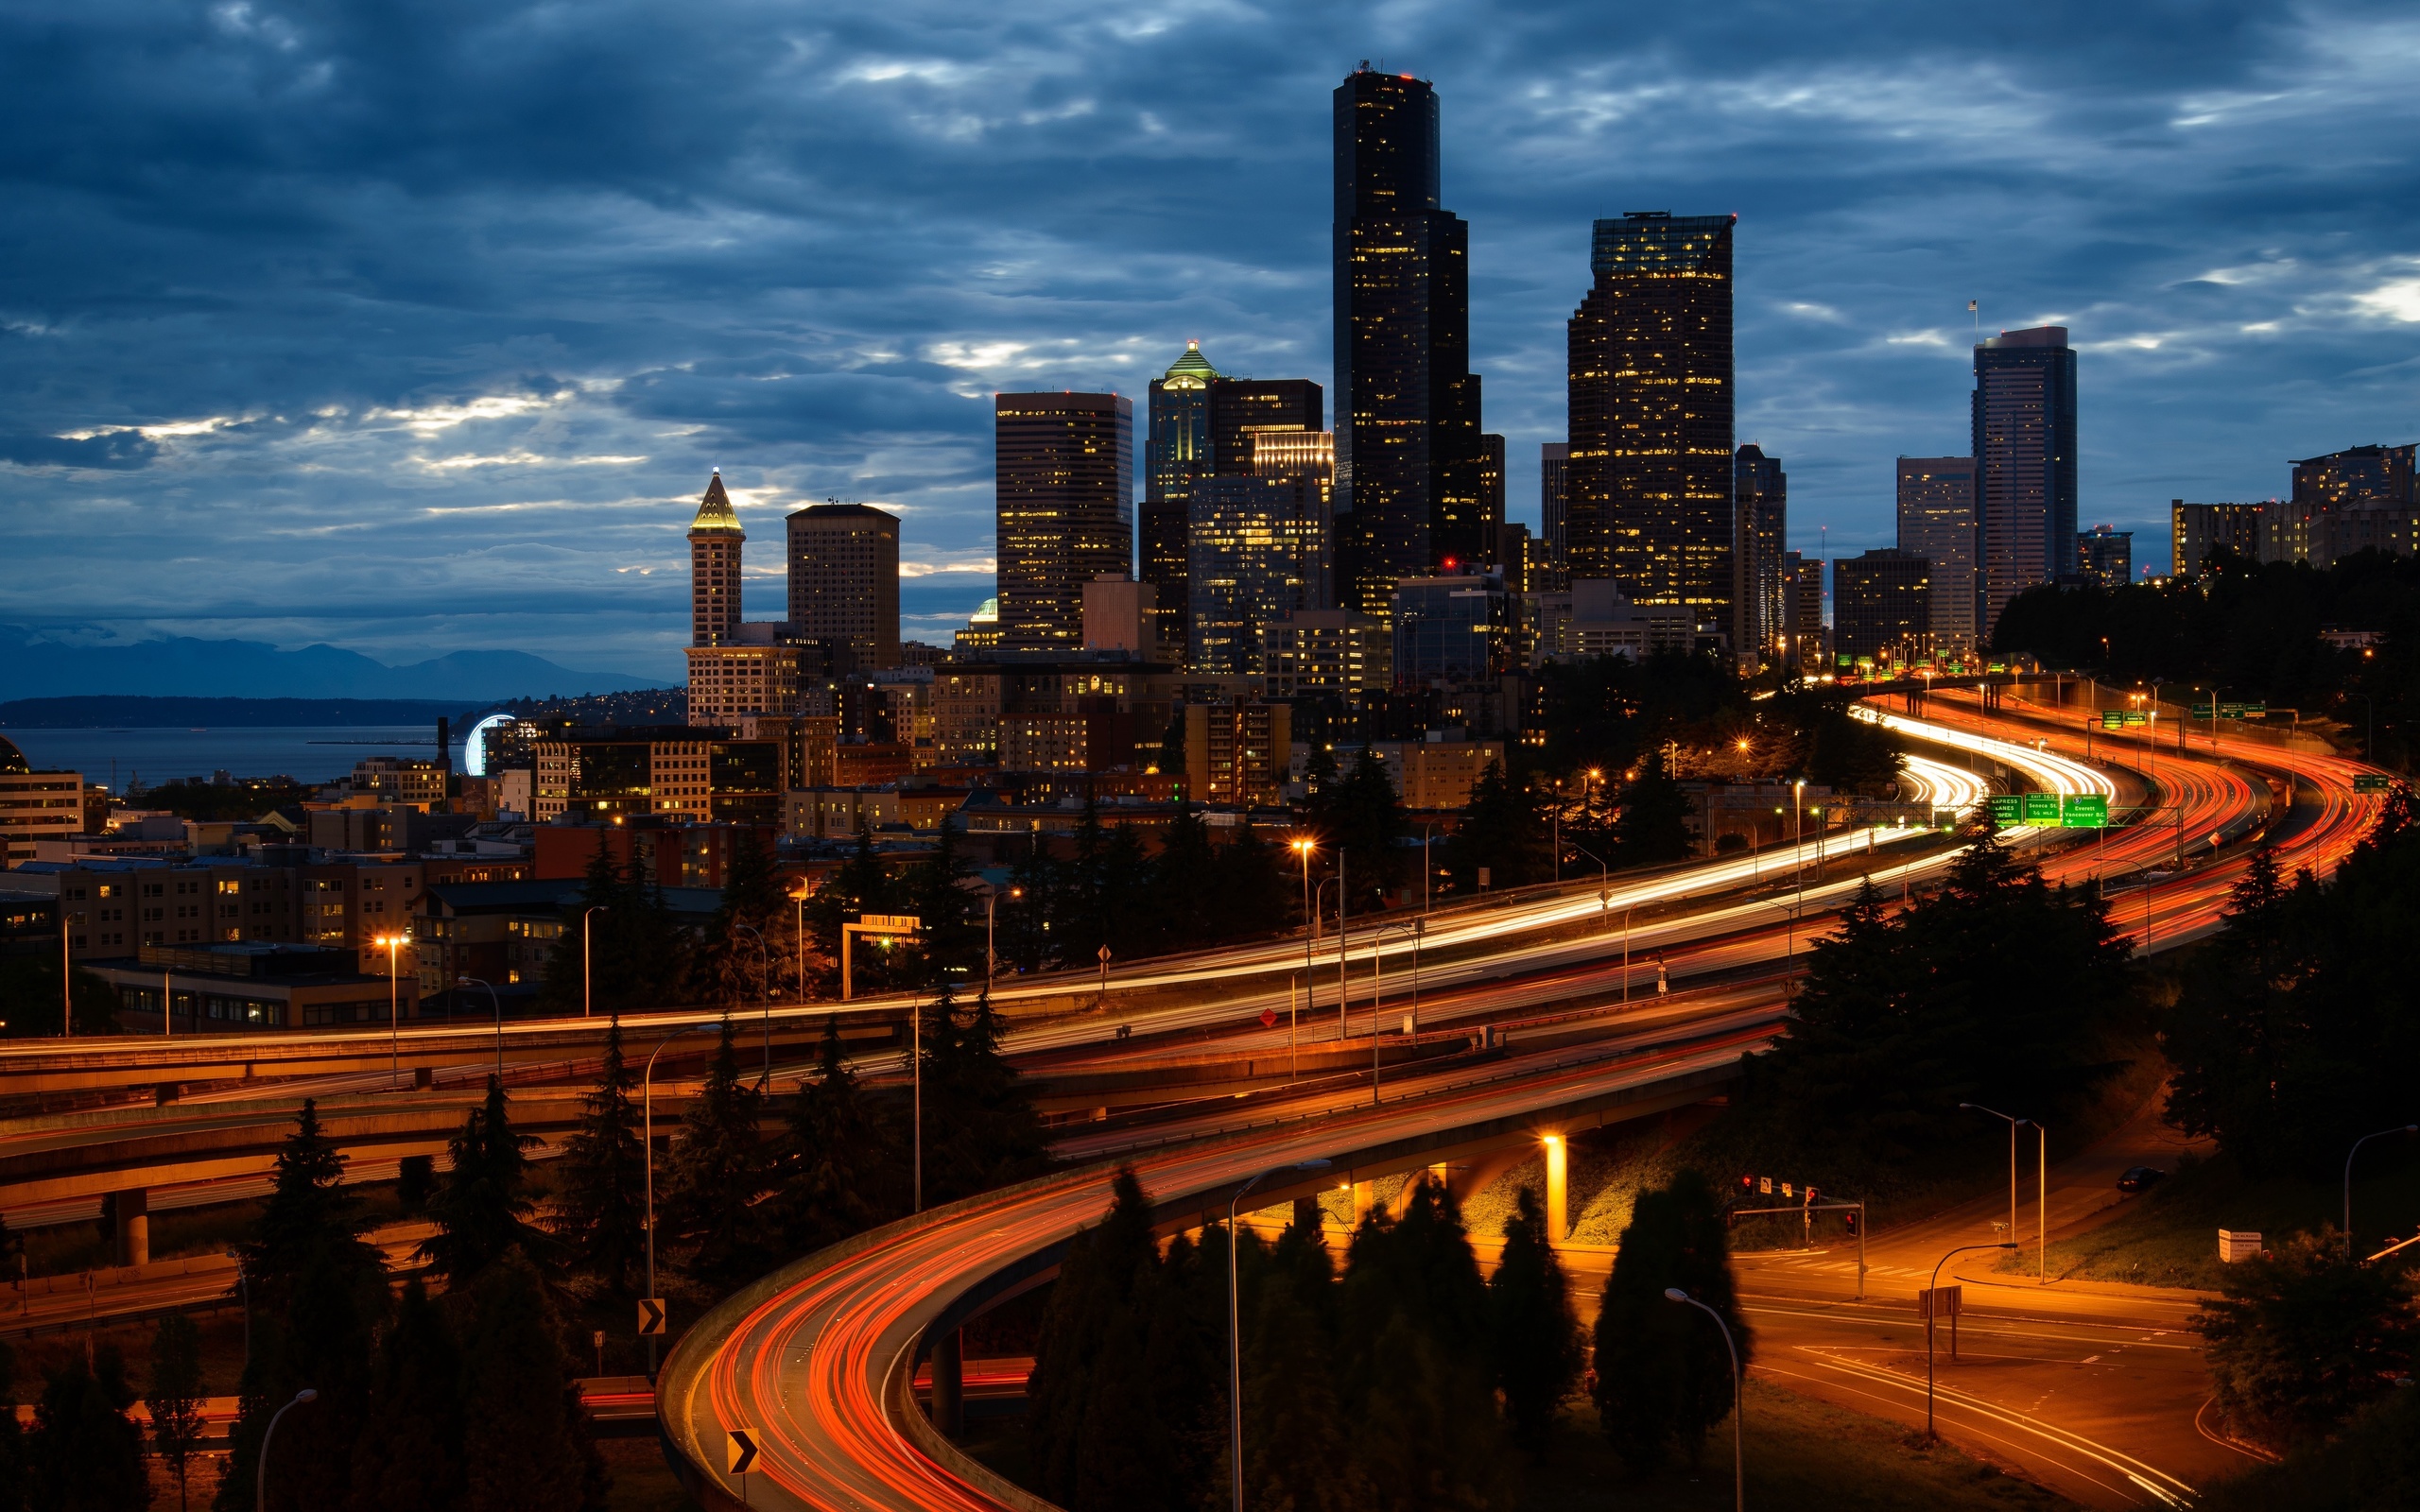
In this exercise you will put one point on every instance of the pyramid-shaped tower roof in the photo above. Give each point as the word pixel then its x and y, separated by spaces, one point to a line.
pixel 1192 370
pixel 714 514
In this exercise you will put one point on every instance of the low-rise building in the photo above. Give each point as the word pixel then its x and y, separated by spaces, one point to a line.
pixel 665 773
pixel 230 987
pixel 1329 651
pixel 1237 754
pixel 1438 770
pixel 35 805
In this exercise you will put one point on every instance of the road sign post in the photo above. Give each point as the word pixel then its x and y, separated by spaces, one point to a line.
pixel 739 1456
pixel 2371 782
pixel 650 1315
pixel 1940 1302
pixel 885 925
pixel 2084 811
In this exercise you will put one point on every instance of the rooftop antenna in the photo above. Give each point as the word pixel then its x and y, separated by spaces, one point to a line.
pixel 1975 308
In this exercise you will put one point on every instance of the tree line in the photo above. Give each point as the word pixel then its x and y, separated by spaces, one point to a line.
pixel 1403 1381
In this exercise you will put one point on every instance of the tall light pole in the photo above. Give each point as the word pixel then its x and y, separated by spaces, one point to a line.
pixel 991 956
pixel 765 978
pixel 260 1471
pixel 2408 1129
pixel 798 937
pixel 1798 831
pixel 2012 1158
pixel 1235 1325
pixel 1303 846
pixel 395 1009
pixel 646 1140
pixel 496 1004
pixel 1319 896
pixel 1738 1458
pixel 1932 1291
pixel 587 977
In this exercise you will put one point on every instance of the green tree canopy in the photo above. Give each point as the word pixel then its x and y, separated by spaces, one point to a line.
pixel 482 1208
pixel 600 1196
pixel 2303 1335
pixel 1663 1373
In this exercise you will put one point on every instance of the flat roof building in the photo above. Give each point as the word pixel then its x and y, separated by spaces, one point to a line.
pixel 1065 510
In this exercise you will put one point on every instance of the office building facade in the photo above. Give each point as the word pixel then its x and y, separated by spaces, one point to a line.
pixel 1244 409
pixel 1937 521
pixel 1451 631
pixel 35 805
pixel 845 582
pixel 1554 462
pixel 1409 456
pixel 1065 479
pixel 1760 495
pixel 2024 424
pixel 1334 651
pixel 2197 532
pixel 1805 643
pixel 1258 553
pixel 1651 469
pixel 1882 607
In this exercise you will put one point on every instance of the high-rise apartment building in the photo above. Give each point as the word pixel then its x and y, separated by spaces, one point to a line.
pixel 1882 606
pixel 2025 458
pixel 2105 555
pixel 1554 460
pixel 1937 521
pixel 1760 492
pixel 1259 554
pixel 1408 448
pixel 1064 474
pixel 845 582
pixel 2359 478
pixel 715 541
pixel 1652 468
pixel 35 805
pixel 1176 452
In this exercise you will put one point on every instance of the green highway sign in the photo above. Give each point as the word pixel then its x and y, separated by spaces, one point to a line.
pixel 2042 808
pixel 1997 666
pixel 2244 710
pixel 2113 718
pixel 2371 782
pixel 2008 808
pixel 2084 811
pixel 2138 716
pixel 2204 711
pixel 1944 818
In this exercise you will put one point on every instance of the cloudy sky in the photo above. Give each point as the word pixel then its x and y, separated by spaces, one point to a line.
pixel 415 328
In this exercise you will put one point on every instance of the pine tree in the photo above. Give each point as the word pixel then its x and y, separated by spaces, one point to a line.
pixel 591 943
pixel 1296 1454
pixel 1663 1372
pixel 524 1447
pixel 737 966
pixel 1533 1328
pixel 483 1208
pixel 600 1202
pixel 309 1214
pixel 981 1128
pixel 175 1398
pixel 1654 822
pixel 842 1168
pixel 1177 903
pixel 1096 1289
pixel 949 940
pixel 860 887
pixel 1247 892
pixel 1503 830
pixel 717 1170
pixel 410 1457
pixel 85 1454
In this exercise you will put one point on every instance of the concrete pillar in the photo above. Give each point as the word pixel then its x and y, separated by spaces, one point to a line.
pixel 1364 1199
pixel 1307 1213
pixel 949 1385
pixel 1558 1190
pixel 130 1219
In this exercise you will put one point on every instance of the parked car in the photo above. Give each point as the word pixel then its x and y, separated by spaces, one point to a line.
pixel 2139 1178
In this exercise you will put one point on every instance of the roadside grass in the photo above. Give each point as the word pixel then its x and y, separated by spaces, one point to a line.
pixel 1801 1454
pixel 2169 1236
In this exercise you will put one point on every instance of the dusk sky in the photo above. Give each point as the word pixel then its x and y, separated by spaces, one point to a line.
pixel 418 328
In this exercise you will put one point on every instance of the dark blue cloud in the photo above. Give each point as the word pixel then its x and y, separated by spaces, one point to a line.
pixel 414 327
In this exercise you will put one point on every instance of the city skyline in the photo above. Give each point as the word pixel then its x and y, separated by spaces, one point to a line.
pixel 467 432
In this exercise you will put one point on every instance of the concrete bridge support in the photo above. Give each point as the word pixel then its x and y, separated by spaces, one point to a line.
pixel 129 1224
pixel 1558 1189
pixel 949 1385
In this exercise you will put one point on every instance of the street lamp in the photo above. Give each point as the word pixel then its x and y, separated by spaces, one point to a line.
pixel 1739 1460
pixel 646 1118
pixel 496 1004
pixel 2012 1123
pixel 1235 1322
pixel 394 1009
pixel 1303 846
pixel 2408 1129
pixel 587 978
pixel 990 956
pixel 260 1471
pixel 1933 1291
pixel 765 978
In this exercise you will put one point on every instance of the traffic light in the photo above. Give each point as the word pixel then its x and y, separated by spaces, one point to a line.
pixel 1851 1215
pixel 1747 1186
pixel 1811 1196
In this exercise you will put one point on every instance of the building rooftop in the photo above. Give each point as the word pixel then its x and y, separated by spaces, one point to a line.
pixel 715 513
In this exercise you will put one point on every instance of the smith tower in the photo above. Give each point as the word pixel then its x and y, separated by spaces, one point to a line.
pixel 715 538
pixel 1409 456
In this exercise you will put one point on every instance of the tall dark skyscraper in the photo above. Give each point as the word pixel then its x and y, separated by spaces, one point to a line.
pixel 1650 475
pixel 1758 539
pixel 1408 448
pixel 1554 497
pixel 1937 522
pixel 1176 456
pixel 1240 407
pixel 2025 462
pixel 1064 476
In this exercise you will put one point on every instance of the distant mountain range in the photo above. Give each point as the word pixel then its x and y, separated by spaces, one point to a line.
pixel 194 668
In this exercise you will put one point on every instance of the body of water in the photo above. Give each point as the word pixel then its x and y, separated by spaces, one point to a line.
pixel 308 753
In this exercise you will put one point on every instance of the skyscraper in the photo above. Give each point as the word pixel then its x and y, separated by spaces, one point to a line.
pixel 845 582
pixel 1242 408
pixel 2025 456
pixel 2105 555
pixel 1408 448
pixel 1491 500
pixel 1762 524
pixel 1554 459
pixel 1064 480
pixel 1175 454
pixel 1937 522
pixel 1882 606
pixel 1651 473
pixel 715 540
